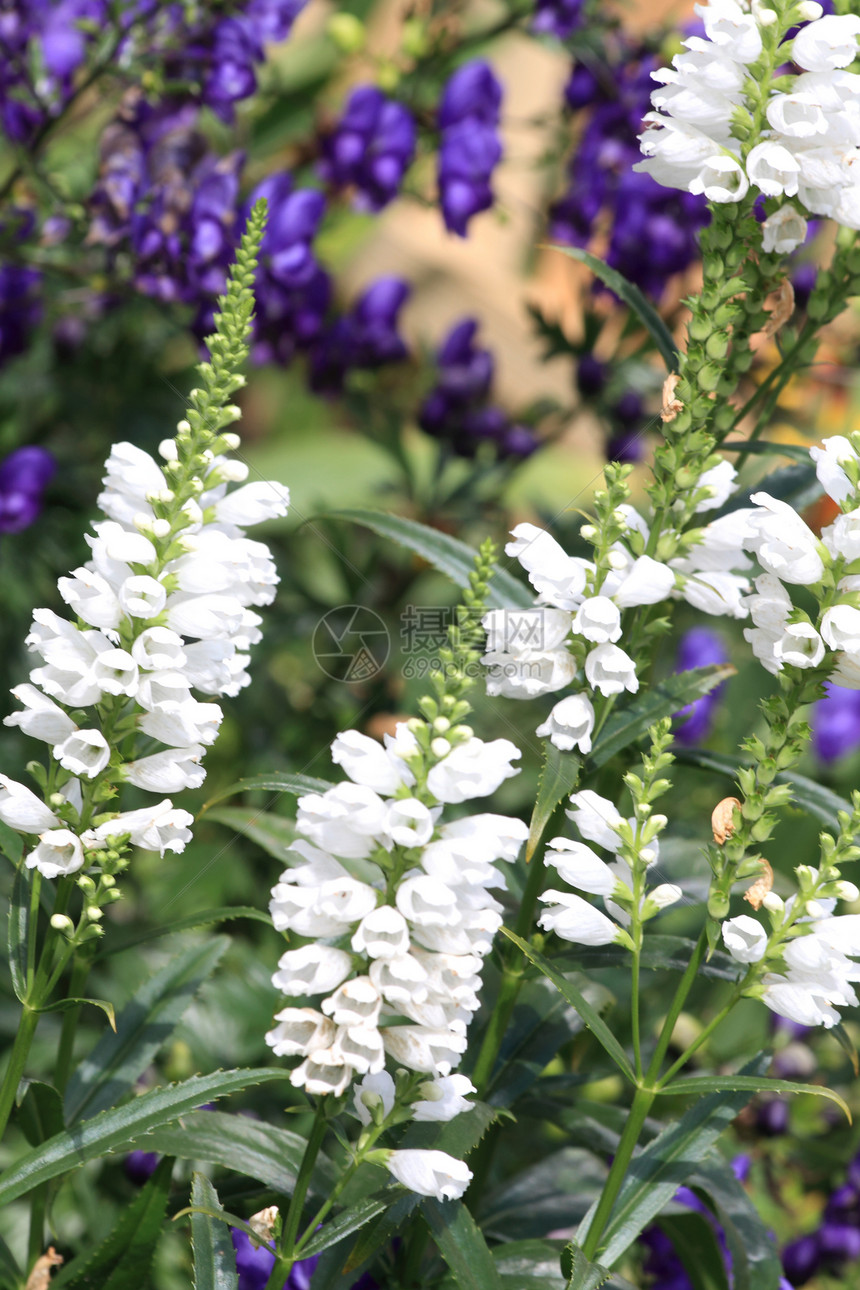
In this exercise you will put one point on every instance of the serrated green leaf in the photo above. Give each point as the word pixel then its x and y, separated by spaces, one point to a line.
pixel 662 700
pixel 19 930
pixel 819 801
pixel 145 1024
pixel 695 1243
pixel 461 1243
pixel 666 1162
pixel 692 1085
pixel 39 1111
pixel 214 1256
pixel 529 1265
pixel 347 1221
pixel 274 834
pixel 275 782
pixel 206 917
pixel 447 554
pixel 122 1261
pixel 558 778
pixel 580 1272
pixel 577 1000
pixel 117 1129
pixel 65 1005
pixel 11 843
pixel 633 297
pixel 755 1262
pixel 271 1155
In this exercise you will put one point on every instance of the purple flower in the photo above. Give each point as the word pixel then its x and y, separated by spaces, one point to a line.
pixel 772 1117
pixel 591 376
pixel 254 1265
pixel 801 1259
pixel 836 723
pixel 699 647
pixel 371 148
pixel 557 17
pixel 366 337
pixel 20 308
pixel 24 475
pixel 470 148
pixel 139 1166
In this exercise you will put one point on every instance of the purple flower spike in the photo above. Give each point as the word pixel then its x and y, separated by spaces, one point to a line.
pixel 23 476
pixel 254 1265
pixel 557 17
pixel 470 148
pixel 371 148
pixel 836 723
pixel 699 647
pixel 367 337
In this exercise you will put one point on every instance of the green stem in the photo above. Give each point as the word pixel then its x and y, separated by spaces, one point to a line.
pixel 17 1062
pixel 288 1250
pixel 80 972
pixel 38 1209
pixel 639 1109
pixel 700 1039
pixel 494 1034
pixel 684 988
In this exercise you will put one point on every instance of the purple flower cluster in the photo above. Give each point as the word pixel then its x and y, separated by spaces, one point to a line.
pixel 652 230
pixel 699 647
pixel 469 148
pixel 24 476
pixel 254 1265
pixel 371 148
pixel 835 1242
pixel 366 337
pixel 836 723
pixel 558 17
pixel 20 307
pixel 457 409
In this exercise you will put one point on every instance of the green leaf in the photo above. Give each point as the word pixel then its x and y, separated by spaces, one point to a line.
pixel 348 1221
pixel 122 1261
pixel 581 1274
pixel 11 843
pixel 461 1244
pixel 145 1024
pixel 65 1005
pixel 214 1256
pixel 760 446
pixel 814 798
pixel 662 700
pixel 695 1084
pixel 206 917
pixel 755 1262
pixel 447 554
pixel 658 1170
pixel 11 1276
pixel 19 930
pixel 117 1129
pixel 274 834
pixel 39 1112
pixel 695 1243
pixel 633 297
pixel 558 779
pixel 797 484
pixel 659 952
pixel 577 1000
pixel 846 1043
pixel 271 1155
pixel 276 782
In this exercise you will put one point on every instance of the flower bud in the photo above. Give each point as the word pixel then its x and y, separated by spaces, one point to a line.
pixel 440 747
pixel 847 891
pixel 62 923
pixel 773 903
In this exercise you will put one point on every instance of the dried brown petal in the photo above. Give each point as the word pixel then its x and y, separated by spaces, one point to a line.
pixel 264 1222
pixel 671 405
pixel 782 307
pixel 40 1277
pixel 762 885
pixel 721 819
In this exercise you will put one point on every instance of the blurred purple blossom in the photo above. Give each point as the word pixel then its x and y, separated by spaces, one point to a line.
pixel 24 475
pixel 366 337
pixel 371 148
pixel 699 647
pixel 470 147
pixel 836 723
pixel 558 17
pixel 254 1265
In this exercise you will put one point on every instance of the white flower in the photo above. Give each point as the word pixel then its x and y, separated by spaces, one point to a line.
pixel 408 822
pixel 400 979
pixel 313 969
pixel 473 769
pixel 574 919
pixel 529 673
pixel 661 897
pixel 167 772
pixel 91 597
pixel 570 723
pixel 23 810
pixel 783 544
pixel 721 179
pixel 355 1003
pixel 773 169
pixel 160 828
pixel 253 503
pixel 840 628
pixel 512 631
pixel 829 43
pixel 430 1173
pixel 580 867
pixel 783 231
pixel 443 1099
pixel 770 606
pixel 324 1071
pixel 558 578
pixel 609 670
pixel 41 719
pixel 798 1002
pixel 486 837
pixel 59 853
pixel 595 817
pixel 720 483
pixel 717 593
pixel 427 902
pixel 423 1049
pixel 300 1031
pixel 116 672
pixel 646 583
pixel 734 31
pixel 182 724
pixel 158 649
pixel 366 762
pixel 598 619
pixel 829 460
pixel 799 646
pixel 142 597
pixel 383 933
pixel 346 820
pixel 374 1091
pixel 745 939
pixel 84 752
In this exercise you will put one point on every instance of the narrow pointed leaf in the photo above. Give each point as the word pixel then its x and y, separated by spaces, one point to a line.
pixel 39 1113
pixel 461 1243
pixel 122 1261
pixel 755 1262
pixel 11 843
pixel 558 779
pixel 589 1015
pixel 348 1221
pixel 206 917
pixel 19 930
pixel 633 297
pixel 274 834
pixel 295 785
pixel 819 801
pixel 581 1273
pixel 447 554
pixel 214 1256
pixel 696 1084
pixel 114 1130
pixel 145 1024
pixel 695 1243
pixel 662 700
pixel 64 1005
